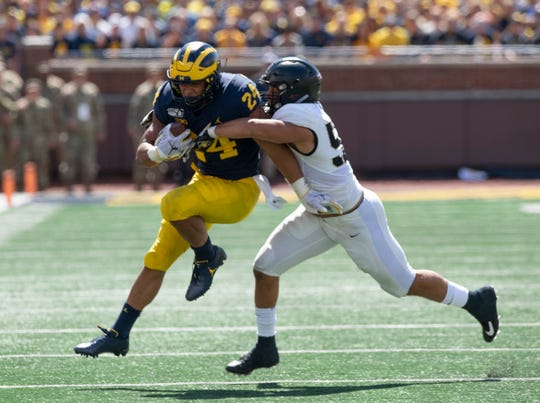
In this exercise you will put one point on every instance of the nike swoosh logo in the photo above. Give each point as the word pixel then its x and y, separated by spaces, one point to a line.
pixel 354 235
pixel 490 332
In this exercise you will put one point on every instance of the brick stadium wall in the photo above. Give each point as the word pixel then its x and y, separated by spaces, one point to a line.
pixel 420 117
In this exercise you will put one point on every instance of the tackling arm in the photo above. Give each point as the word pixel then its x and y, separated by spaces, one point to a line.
pixel 272 130
pixel 283 159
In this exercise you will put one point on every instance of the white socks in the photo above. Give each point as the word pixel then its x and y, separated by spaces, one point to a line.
pixel 266 321
pixel 456 295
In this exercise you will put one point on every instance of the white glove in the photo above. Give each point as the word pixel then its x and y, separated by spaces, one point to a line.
pixel 168 147
pixel 315 202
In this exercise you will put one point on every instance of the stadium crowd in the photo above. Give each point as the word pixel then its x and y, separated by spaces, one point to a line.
pixel 85 27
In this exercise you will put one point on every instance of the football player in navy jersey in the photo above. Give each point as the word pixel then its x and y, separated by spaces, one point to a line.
pixel 223 189
pixel 360 225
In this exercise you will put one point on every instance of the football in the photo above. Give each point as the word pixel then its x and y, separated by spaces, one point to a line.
pixel 177 128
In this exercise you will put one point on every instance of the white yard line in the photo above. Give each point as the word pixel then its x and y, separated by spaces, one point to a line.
pixel 281 328
pixel 272 382
pixel 286 352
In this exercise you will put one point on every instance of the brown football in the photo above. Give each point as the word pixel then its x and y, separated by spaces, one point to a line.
pixel 177 128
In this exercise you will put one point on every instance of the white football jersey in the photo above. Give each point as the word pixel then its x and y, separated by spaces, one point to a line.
pixel 326 169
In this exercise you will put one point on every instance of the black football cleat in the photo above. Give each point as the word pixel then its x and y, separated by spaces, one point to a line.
pixel 482 305
pixel 258 357
pixel 107 343
pixel 203 274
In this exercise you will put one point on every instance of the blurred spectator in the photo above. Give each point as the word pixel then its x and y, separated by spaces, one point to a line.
pixel 452 31
pixel 342 32
pixel 204 32
pixel 84 123
pixel 175 35
pixel 130 22
pixel 390 34
pixel 141 102
pixel 355 12
pixel 60 43
pixel 146 37
pixel 518 31
pixel 482 25
pixel 276 16
pixel 362 34
pixel 259 32
pixel 288 37
pixel 230 36
pixel 34 128
pixel 14 24
pixel 80 43
pixel 416 35
pixel 46 16
pixel 8 46
pixel 97 27
pixel 112 41
pixel 314 33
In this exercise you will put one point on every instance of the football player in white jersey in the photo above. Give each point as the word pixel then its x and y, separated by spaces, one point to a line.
pixel 356 219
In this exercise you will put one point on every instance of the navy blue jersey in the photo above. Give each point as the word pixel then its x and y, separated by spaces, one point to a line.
pixel 237 97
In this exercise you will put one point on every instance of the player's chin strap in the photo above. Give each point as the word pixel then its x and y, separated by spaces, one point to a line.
pixel 272 201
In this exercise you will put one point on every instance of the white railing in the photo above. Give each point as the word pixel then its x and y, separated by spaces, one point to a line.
pixel 387 54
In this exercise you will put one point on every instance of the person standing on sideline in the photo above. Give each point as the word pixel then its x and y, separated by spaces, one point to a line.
pixel 8 111
pixel 83 117
pixel 360 226
pixel 51 89
pixel 35 132
pixel 141 102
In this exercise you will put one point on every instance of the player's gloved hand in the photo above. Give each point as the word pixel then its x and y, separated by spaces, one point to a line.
pixel 313 201
pixel 167 147
pixel 321 203
pixel 206 137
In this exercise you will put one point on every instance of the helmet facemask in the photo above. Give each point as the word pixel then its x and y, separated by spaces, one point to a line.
pixel 278 94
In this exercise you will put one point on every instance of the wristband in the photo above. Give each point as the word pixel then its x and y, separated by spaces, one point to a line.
pixel 300 187
pixel 153 154
pixel 212 131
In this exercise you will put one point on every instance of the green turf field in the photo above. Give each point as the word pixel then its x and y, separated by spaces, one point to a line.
pixel 66 268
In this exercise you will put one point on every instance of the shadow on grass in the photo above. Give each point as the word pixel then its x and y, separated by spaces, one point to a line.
pixel 273 390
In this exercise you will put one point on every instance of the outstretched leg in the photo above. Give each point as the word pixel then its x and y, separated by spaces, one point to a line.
pixel 265 353
pixel 481 303
pixel 116 339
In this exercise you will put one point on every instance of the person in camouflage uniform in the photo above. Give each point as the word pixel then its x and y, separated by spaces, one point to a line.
pixel 84 126
pixel 52 85
pixel 141 102
pixel 34 129
pixel 7 114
